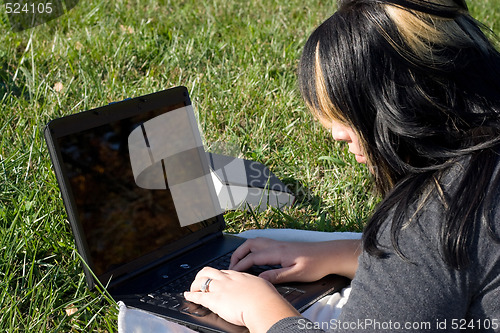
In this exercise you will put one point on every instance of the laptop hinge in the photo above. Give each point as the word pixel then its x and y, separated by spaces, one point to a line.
pixel 209 238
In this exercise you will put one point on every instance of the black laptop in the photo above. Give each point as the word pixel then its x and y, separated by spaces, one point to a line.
pixel 137 225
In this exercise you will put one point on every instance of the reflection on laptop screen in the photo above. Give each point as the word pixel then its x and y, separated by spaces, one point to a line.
pixel 121 220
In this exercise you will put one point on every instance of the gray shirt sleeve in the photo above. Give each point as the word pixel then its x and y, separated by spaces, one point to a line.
pixel 420 293
pixel 295 325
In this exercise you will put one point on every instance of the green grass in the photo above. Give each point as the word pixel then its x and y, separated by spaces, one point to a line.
pixel 237 58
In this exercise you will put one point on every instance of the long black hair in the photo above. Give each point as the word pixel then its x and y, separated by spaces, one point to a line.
pixel 419 82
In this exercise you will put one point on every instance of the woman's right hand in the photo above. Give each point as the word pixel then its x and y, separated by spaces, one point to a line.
pixel 300 261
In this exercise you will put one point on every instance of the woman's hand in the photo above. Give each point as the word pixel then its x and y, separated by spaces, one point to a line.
pixel 300 261
pixel 240 298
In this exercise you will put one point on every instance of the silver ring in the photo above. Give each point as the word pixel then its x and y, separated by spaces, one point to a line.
pixel 204 286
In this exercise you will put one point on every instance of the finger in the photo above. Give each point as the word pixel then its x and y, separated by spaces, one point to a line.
pixel 258 258
pixel 198 298
pixel 203 275
pixel 208 297
pixel 245 263
pixel 192 297
pixel 210 272
pixel 280 275
pixel 250 246
pixel 233 275
pixel 241 252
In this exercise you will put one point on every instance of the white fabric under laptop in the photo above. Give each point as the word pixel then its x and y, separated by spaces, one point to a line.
pixel 138 321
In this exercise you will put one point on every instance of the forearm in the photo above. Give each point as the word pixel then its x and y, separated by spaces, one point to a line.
pixel 341 256
pixel 268 315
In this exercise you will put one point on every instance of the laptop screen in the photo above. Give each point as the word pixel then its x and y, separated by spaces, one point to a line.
pixel 121 221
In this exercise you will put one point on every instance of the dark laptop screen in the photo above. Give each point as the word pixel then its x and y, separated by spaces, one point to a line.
pixel 120 220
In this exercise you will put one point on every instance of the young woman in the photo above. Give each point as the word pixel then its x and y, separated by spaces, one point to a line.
pixel 413 87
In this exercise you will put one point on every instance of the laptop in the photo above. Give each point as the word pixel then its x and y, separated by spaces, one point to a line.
pixel 136 185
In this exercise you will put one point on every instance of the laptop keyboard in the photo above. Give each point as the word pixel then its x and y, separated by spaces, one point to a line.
pixel 171 295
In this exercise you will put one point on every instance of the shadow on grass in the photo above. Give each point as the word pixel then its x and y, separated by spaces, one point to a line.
pixel 314 214
pixel 309 212
pixel 304 197
pixel 7 83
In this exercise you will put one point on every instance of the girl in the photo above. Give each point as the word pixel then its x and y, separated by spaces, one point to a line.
pixel 413 87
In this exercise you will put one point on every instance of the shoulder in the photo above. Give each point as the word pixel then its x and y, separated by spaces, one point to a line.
pixel 458 201
pixel 417 283
pixel 454 204
pixel 422 241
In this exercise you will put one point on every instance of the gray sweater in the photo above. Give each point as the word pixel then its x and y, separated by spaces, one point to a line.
pixel 423 295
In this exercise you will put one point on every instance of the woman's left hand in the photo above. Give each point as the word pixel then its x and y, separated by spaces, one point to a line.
pixel 240 298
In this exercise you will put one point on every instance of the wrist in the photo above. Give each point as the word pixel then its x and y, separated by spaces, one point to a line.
pixel 262 319
pixel 342 256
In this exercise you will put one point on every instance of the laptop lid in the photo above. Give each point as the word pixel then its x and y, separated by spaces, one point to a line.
pixel 128 174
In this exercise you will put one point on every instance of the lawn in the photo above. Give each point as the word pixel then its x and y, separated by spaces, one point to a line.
pixel 238 60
